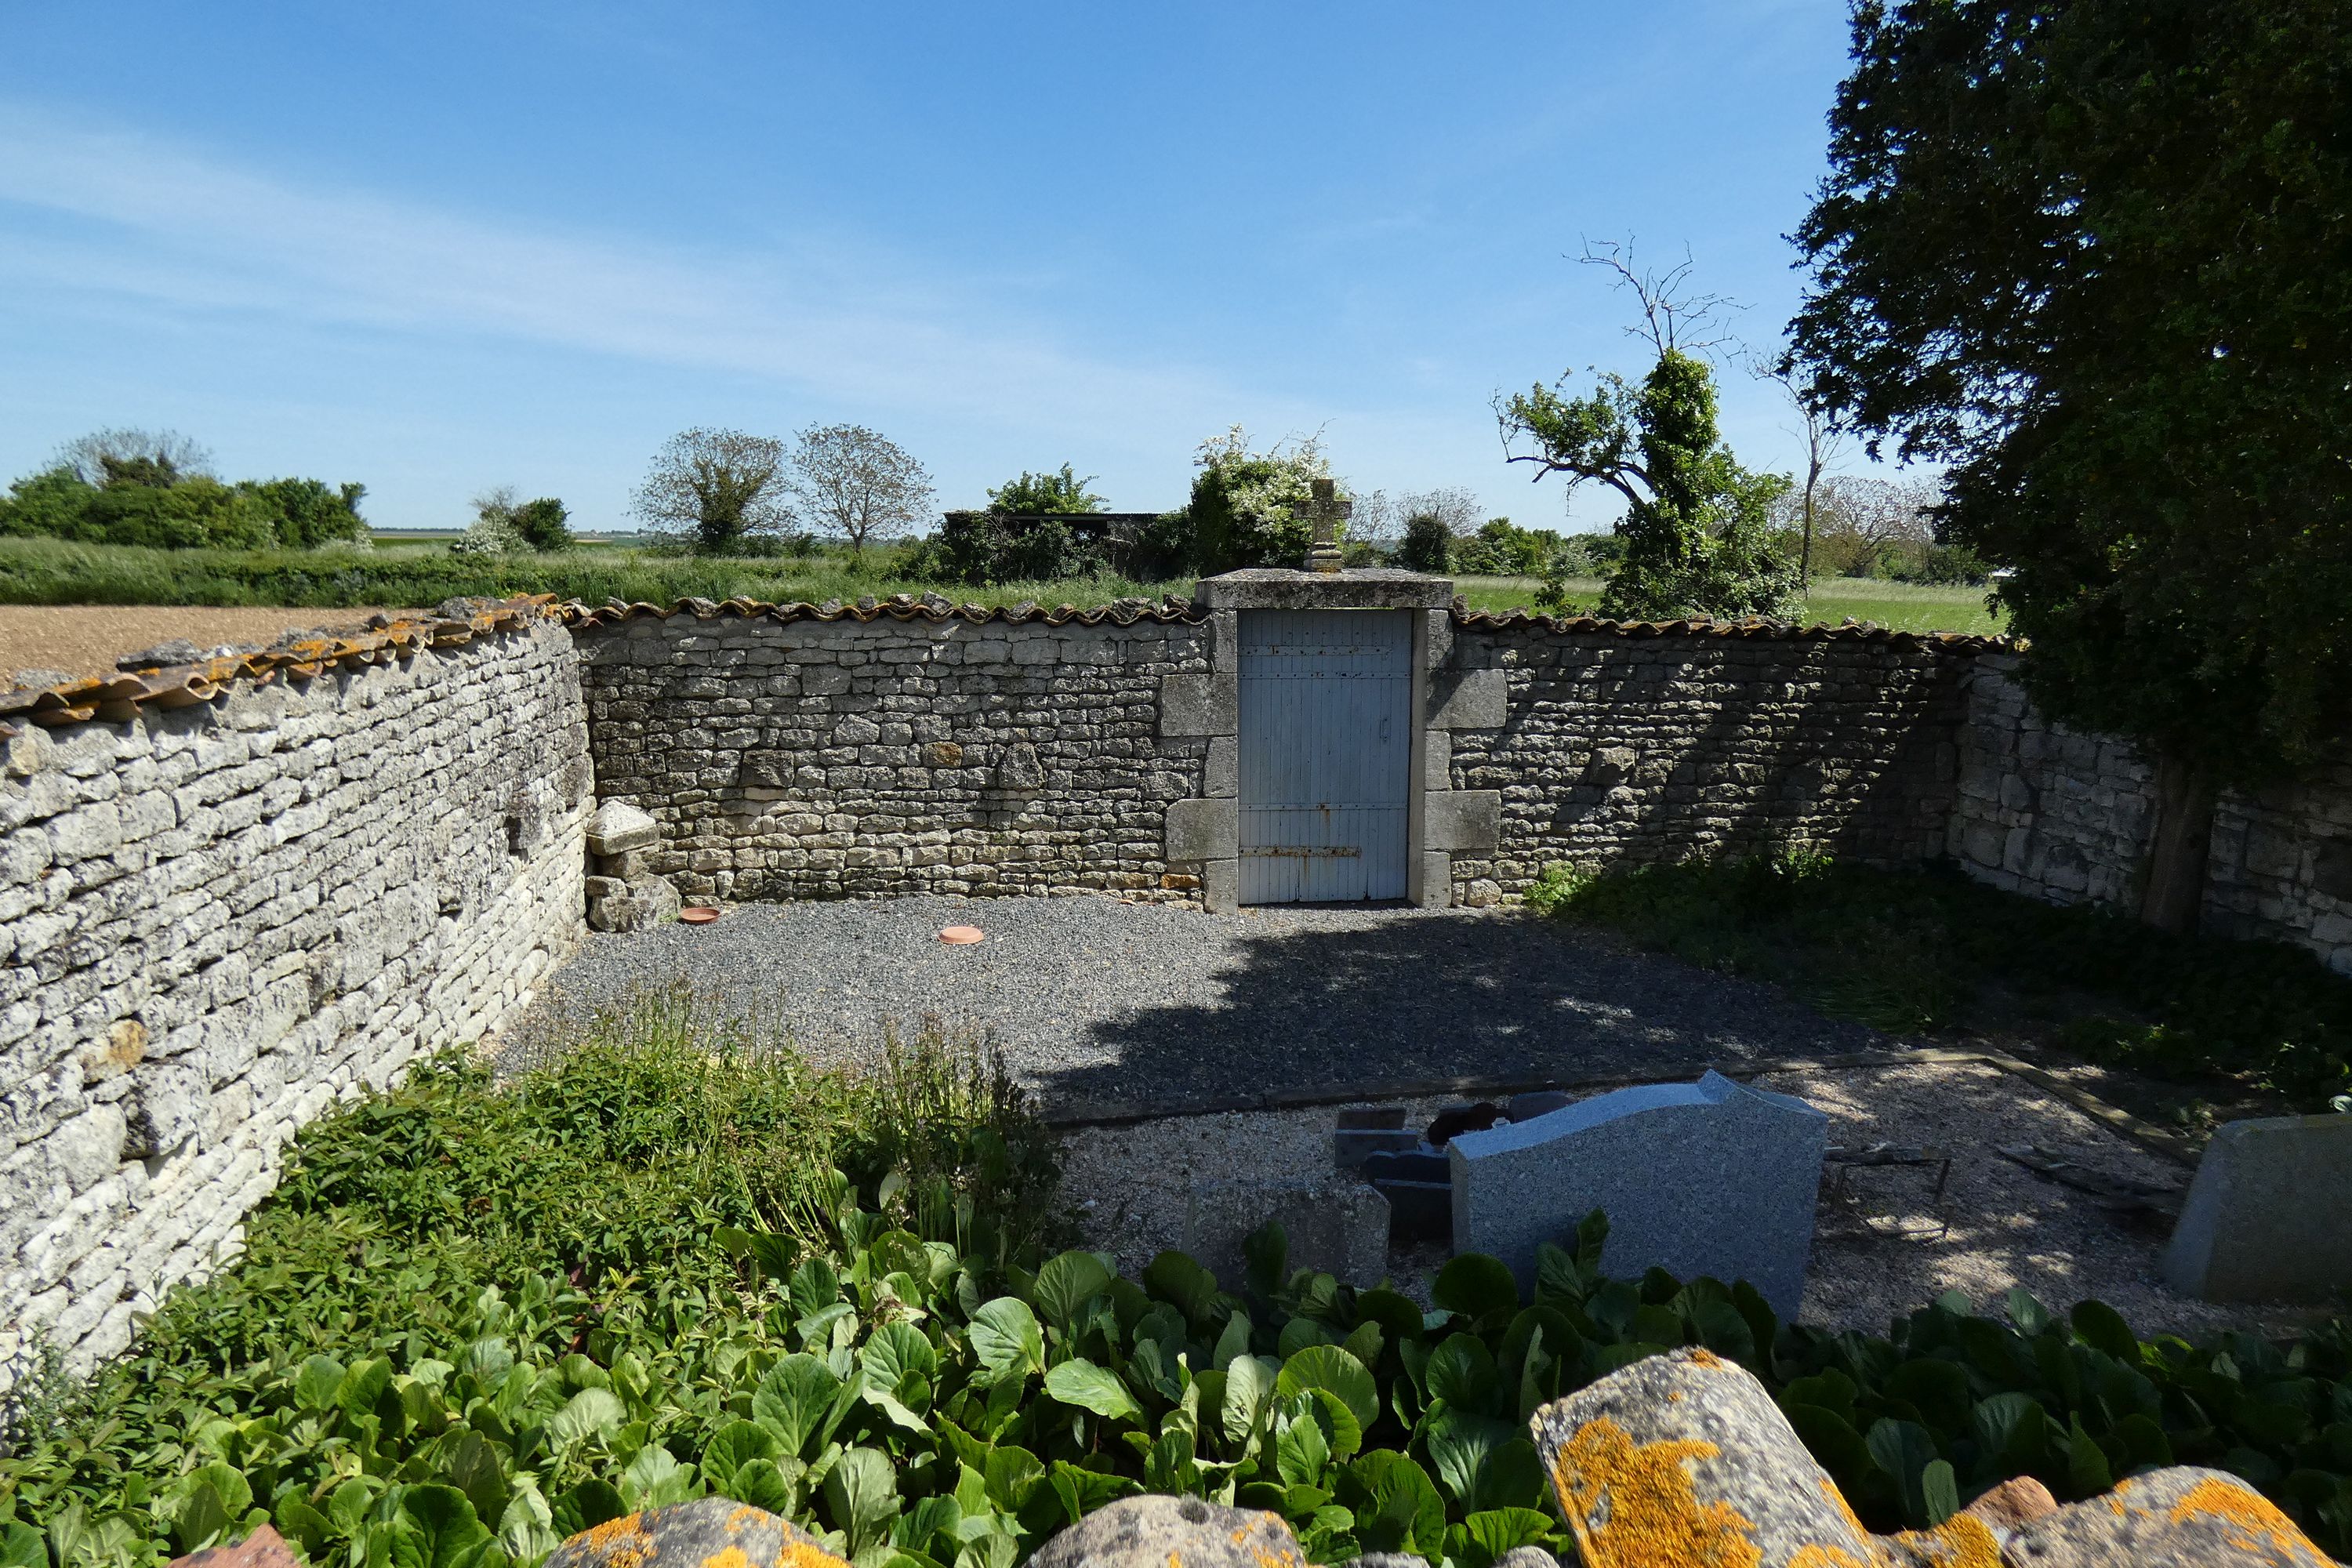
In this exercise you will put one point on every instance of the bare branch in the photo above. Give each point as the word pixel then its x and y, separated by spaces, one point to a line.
pixel 1672 320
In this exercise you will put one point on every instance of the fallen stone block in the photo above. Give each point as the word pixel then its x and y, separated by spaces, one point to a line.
pixel 1683 1459
pixel 1340 1227
pixel 691 1534
pixel 1352 1145
pixel 618 827
pixel 2264 1220
pixel 264 1548
pixel 2183 1517
pixel 1154 1531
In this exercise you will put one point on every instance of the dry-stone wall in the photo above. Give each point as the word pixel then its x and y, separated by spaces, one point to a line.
pixel 1615 748
pixel 2067 817
pixel 232 895
pixel 791 752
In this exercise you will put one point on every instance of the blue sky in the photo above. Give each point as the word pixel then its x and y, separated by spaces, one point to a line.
pixel 439 247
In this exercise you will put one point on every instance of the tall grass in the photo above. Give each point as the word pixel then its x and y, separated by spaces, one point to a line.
pixel 663 1121
pixel 54 572
pixel 1904 606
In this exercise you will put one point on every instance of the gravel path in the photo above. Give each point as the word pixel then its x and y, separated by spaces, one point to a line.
pixel 1100 1003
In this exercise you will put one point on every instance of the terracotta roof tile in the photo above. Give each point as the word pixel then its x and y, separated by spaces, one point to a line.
pixel 119 698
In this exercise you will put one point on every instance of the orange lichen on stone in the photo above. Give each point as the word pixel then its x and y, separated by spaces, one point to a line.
pixel 1707 1358
pixel 622 1543
pixel 1817 1554
pixel 727 1557
pixel 2249 1519
pixel 801 1555
pixel 1963 1541
pixel 1844 1509
pixel 1651 1515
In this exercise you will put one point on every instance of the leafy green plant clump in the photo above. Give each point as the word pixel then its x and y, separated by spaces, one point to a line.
pixel 1911 950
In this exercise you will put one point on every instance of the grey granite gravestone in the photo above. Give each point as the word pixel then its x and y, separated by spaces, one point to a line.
pixel 2269 1214
pixel 1711 1177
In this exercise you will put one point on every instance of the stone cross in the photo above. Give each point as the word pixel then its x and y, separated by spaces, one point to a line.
pixel 1325 510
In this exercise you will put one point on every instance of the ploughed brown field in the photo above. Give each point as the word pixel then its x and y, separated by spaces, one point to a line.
pixel 86 639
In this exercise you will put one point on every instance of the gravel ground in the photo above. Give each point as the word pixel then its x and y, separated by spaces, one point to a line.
pixel 1100 1003
pixel 1998 1228
pixel 86 639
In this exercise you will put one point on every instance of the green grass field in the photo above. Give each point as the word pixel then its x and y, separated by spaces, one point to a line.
pixel 1902 605
pixel 424 573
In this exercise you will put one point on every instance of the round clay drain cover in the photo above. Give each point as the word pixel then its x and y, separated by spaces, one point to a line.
pixel 959 936
pixel 697 914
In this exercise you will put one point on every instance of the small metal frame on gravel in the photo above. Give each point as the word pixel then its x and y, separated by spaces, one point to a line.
pixel 2171 1145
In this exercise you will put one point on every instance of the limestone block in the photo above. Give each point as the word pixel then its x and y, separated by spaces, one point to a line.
pixel 1020 770
pixel 1152 1532
pixel 1462 819
pixel 709 1530
pixel 1199 705
pixel 1221 886
pixel 1336 1226
pixel 87 1149
pixel 2264 1217
pixel 2182 1517
pixel 1469 699
pixel 1713 1177
pixel 1222 776
pixel 1683 1459
pixel 169 1105
pixel 618 827
pixel 1201 830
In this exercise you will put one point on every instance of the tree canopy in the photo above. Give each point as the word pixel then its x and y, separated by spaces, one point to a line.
pixel 154 489
pixel 856 483
pixel 1060 493
pixel 716 490
pixel 2097 256
pixel 1697 527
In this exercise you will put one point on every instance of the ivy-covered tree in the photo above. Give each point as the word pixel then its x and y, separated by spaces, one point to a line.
pixel 1697 525
pixel 2097 256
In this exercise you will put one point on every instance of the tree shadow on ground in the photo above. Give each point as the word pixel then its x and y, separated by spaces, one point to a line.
pixel 1349 1007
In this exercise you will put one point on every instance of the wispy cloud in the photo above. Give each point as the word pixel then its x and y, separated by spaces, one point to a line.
pixel 136 216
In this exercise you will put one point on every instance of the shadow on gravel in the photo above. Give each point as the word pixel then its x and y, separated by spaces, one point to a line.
pixel 1423 1001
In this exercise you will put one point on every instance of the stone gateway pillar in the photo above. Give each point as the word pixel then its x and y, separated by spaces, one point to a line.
pixel 1328 774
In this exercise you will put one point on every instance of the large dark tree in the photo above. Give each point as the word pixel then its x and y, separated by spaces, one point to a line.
pixel 2096 255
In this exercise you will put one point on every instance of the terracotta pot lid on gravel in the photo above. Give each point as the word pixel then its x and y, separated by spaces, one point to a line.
pixel 697 914
pixel 960 936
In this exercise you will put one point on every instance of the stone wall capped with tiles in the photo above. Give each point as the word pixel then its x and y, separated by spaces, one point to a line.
pixel 1608 748
pixel 240 900
pixel 797 753
pixel 2067 817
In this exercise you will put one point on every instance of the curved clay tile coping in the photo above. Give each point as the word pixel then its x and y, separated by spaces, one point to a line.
pixel 1127 611
pixel 898 607
pixel 120 698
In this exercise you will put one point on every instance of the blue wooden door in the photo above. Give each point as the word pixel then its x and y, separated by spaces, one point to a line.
pixel 1325 754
